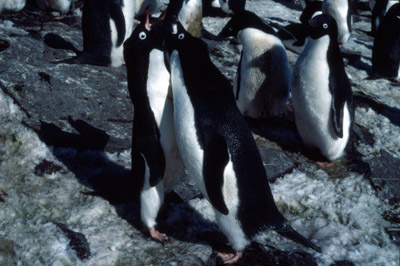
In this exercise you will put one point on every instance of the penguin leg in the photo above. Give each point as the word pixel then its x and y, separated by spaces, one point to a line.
pixel 156 235
pixel 229 258
pixel 324 164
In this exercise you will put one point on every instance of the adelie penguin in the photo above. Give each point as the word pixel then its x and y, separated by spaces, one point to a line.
pixel 386 48
pixel 218 149
pixel 379 9
pixel 156 162
pixel 340 10
pixel 105 25
pixel 261 86
pixel 12 5
pixel 189 13
pixel 321 92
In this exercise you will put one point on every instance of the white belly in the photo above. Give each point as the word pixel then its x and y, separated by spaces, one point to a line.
pixel 312 101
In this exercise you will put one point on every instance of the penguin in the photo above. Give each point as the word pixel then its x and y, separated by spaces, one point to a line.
pixel 61 6
pixel 321 92
pixel 141 5
pixel 156 162
pixel 12 5
pixel 386 47
pixel 261 86
pixel 340 10
pixel 379 10
pixel 310 10
pixel 212 8
pixel 218 149
pixel 105 26
pixel 189 13
pixel 232 6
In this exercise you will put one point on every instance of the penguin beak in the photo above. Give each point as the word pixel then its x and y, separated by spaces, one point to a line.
pixel 147 23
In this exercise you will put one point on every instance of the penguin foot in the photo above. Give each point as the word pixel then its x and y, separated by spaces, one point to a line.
pixel 2 193
pixel 324 164
pixel 229 258
pixel 156 235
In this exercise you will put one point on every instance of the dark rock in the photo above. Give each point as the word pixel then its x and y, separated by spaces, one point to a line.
pixel 7 252
pixel 77 241
pixel 4 45
pixel 385 176
pixel 276 163
pixel 342 263
pixel 186 189
pixel 46 167
pixel 259 256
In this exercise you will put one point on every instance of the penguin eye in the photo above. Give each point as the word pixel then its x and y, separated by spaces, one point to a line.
pixel 142 35
pixel 325 26
pixel 181 36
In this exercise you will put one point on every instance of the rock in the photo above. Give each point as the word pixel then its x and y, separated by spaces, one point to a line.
pixel 343 263
pixel 276 163
pixel 186 189
pixel 46 167
pixel 77 241
pixel 385 175
pixel 7 252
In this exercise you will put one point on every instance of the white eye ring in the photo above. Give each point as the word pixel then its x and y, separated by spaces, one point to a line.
pixel 181 36
pixel 325 26
pixel 142 35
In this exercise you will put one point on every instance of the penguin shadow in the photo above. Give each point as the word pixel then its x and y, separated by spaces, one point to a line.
pixel 392 113
pixel 84 155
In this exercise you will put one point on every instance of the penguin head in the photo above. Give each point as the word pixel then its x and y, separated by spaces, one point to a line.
pixel 145 37
pixel 178 38
pixel 243 20
pixel 322 25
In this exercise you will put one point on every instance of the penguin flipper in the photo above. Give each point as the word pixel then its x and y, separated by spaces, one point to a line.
pixel 287 231
pixel 216 158
pixel 239 76
pixel 153 154
pixel 119 19
pixel 339 93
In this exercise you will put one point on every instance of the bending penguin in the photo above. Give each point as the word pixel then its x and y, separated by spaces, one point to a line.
pixel 340 10
pixel 105 26
pixel 386 48
pixel 12 5
pixel 321 92
pixel 156 162
pixel 262 82
pixel 218 149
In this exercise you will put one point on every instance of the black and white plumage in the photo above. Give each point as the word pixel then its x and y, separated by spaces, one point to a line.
pixel 321 92
pixel 218 148
pixel 340 10
pixel 386 48
pixel 189 13
pixel 261 86
pixel 156 162
pixel 232 6
pixel 61 6
pixel 105 26
pixel 12 5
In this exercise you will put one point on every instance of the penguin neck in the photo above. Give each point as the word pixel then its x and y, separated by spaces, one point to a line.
pixel 317 48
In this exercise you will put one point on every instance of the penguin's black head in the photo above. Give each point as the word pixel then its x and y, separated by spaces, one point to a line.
pixel 145 37
pixel 322 25
pixel 233 6
pixel 178 38
pixel 243 20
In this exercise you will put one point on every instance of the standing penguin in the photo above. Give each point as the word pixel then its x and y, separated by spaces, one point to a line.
pixel 340 10
pixel 379 10
pixel 262 83
pixel 105 26
pixel 12 5
pixel 61 6
pixel 156 163
pixel 386 48
pixel 321 92
pixel 218 148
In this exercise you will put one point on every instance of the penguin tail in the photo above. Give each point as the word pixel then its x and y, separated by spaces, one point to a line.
pixel 57 42
pixel 287 231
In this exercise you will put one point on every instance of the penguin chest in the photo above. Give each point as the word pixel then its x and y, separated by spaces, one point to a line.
pixel 185 127
pixel 159 95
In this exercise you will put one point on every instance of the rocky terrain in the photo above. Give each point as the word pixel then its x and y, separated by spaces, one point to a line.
pixel 65 158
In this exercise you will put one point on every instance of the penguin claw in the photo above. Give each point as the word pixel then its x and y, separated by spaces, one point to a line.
pixel 325 164
pixel 229 258
pixel 156 235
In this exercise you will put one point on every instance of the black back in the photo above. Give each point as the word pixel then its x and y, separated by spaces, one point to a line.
pixel 339 84
pixel 378 13
pixel 386 48
pixel 145 134
pixel 309 10
pixel 243 20
pixel 96 29
pixel 220 123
